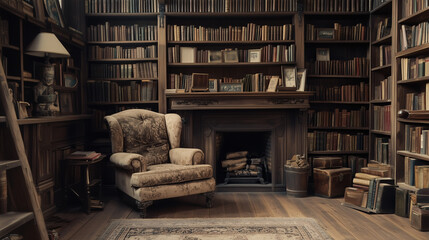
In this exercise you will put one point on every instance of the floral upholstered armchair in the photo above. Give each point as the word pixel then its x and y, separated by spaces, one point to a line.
pixel 150 165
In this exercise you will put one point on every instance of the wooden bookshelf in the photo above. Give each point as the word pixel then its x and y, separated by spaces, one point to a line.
pixel 384 40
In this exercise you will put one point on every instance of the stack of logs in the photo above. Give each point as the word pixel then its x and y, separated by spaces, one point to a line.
pixel 238 165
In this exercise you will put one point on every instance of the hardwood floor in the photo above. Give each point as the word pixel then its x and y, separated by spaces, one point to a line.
pixel 340 222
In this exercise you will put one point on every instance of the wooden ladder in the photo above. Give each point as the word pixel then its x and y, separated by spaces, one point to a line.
pixel 27 213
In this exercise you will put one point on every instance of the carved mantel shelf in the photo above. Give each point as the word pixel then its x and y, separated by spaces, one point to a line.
pixel 242 100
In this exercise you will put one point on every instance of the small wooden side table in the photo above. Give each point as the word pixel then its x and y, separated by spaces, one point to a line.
pixel 83 191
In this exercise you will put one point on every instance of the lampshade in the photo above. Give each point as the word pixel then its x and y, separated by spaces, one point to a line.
pixel 47 45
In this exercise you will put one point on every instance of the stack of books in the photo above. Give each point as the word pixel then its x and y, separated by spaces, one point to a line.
pixel 84 155
pixel 372 193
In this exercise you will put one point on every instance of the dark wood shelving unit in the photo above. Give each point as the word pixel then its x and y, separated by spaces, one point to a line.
pixel 123 60
pixel 384 40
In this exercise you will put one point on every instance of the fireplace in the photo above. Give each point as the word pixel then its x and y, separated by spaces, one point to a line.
pixel 271 129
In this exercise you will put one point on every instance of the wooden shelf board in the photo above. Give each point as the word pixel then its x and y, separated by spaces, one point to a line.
pixel 13 78
pixel 229 14
pixel 123 60
pixel 336 76
pixel 240 94
pixel 31 80
pixel 337 152
pixel 8 46
pixel 229 42
pixel 338 41
pixel 37 120
pixel 414 155
pixel 351 14
pixel 381 68
pixel 415 18
pixel 340 128
pixel 122 79
pixel 384 40
pixel 381 132
pixel 229 64
pixel 123 15
pixel 385 7
pixel 12 220
pixel 413 121
pixel 420 79
pixel 121 42
pixel 407 186
pixel 338 102
pixel 414 52
pixel 122 103
pixel 381 101
pixel 4 165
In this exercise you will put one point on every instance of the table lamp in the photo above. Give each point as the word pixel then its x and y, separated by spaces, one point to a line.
pixel 48 46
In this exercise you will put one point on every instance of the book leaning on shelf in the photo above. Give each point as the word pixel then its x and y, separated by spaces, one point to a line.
pixel 84 155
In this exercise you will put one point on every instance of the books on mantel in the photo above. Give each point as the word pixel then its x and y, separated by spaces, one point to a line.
pixel 84 155
pixel 372 193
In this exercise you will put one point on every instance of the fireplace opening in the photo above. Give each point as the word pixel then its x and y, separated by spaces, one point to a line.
pixel 243 157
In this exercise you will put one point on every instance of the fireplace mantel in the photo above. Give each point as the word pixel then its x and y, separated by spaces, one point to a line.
pixel 242 100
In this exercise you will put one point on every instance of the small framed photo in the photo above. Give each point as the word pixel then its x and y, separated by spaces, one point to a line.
pixel 322 54
pixel 215 56
pixel 325 34
pixel 66 103
pixel 255 55
pixel 301 79
pixel 231 87
pixel 289 76
pixel 70 80
pixel 272 86
pixel 213 85
pixel 230 56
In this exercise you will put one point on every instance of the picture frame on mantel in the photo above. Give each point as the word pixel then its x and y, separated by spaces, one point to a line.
pixel 39 10
pixel 54 11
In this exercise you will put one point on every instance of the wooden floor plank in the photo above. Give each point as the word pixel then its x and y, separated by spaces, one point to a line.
pixel 338 221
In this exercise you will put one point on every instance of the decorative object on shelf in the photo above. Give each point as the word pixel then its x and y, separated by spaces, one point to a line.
pixel 54 11
pixel 255 55
pixel 230 56
pixel 200 82
pixel 231 87
pixel 289 76
pixel 70 80
pixel 301 78
pixel 215 56
pixel 414 114
pixel 325 34
pixel 46 45
pixel 322 54
pixel 22 109
pixel 213 85
pixel 272 86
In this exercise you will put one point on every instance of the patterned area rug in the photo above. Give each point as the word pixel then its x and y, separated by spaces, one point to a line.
pixel 214 228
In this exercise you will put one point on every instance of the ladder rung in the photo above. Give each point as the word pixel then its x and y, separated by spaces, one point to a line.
pixel 4 165
pixel 11 220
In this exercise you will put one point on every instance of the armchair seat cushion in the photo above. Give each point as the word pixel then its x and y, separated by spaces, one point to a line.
pixel 164 174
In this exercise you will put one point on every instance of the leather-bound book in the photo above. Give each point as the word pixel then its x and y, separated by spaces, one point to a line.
pixel 402 205
pixel 353 195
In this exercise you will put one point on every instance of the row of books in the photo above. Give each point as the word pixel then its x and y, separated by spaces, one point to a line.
pixel 211 6
pixel 121 6
pixel 416 100
pixel 384 56
pixel 416 139
pixel 270 53
pixel 414 67
pixel 382 150
pixel 409 7
pixel 413 36
pixel 249 32
pixel 336 5
pixel 354 67
pixel 381 118
pixel 135 70
pixel 357 32
pixel 119 52
pixel 338 118
pixel 335 141
pixel 383 91
pixel 109 91
pixel 383 28
pixel 4 31
pixel 106 32
pixel 345 93
pixel 371 193
pixel 416 172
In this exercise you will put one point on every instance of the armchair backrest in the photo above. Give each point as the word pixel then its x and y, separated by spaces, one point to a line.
pixel 144 132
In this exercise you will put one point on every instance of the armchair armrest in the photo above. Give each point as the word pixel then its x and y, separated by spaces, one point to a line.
pixel 129 161
pixel 186 156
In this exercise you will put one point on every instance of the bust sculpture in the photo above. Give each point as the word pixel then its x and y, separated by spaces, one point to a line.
pixel 44 95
